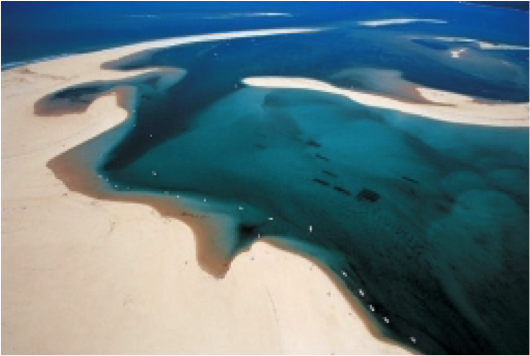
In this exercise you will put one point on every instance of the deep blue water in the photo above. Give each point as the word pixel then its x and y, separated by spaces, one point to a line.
pixel 34 30
pixel 429 219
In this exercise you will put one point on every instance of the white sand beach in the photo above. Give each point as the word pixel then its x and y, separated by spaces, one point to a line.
pixel 88 276
pixel 439 105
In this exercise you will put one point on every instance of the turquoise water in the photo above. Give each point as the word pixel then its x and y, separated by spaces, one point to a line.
pixel 425 222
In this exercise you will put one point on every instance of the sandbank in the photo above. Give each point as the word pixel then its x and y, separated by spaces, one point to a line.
pixel 82 275
pixel 439 105
pixel 399 21
pixel 483 44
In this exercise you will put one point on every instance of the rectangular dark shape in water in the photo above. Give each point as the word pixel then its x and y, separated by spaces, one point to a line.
pixel 368 194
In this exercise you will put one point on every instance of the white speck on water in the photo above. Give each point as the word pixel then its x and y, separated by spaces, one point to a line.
pixel 154 173
pixel 412 339
pixel 344 274
pixel 241 208
pixel 271 219
pixel 386 320
pixel 205 200
pixel 310 228
pixel 150 135
pixel 372 307
pixel 361 292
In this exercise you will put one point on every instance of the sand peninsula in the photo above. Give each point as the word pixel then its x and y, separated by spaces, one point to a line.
pixel 83 275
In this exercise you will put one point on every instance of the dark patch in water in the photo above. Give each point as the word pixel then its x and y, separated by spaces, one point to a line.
pixel 319 156
pixel 247 230
pixel 410 179
pixel 329 173
pixel 368 194
pixel 342 190
pixel 320 181
pixel 313 143
pixel 444 208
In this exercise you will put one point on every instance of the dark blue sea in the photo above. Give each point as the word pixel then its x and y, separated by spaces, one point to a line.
pixel 32 30
pixel 423 222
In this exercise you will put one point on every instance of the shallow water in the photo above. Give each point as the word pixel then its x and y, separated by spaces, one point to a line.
pixel 428 219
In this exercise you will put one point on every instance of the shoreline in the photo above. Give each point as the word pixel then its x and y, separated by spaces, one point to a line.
pixel 109 275
pixel 209 258
pixel 78 174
